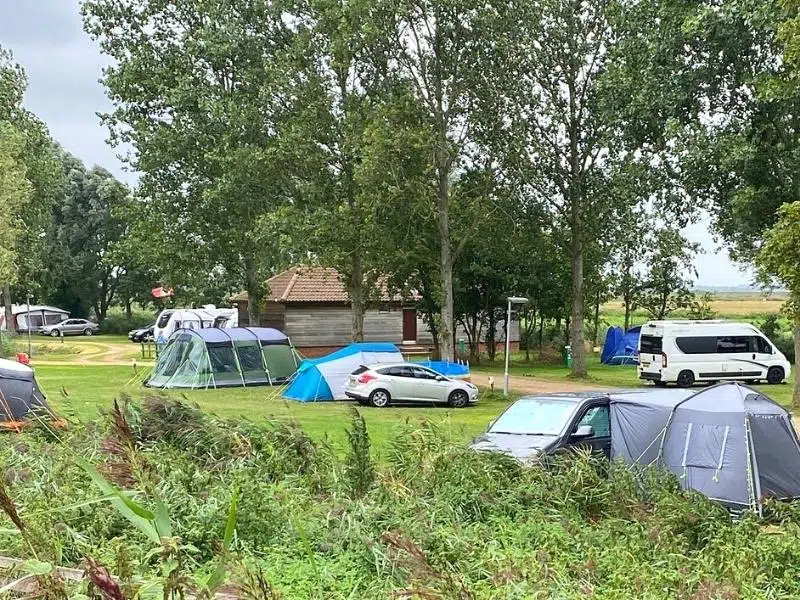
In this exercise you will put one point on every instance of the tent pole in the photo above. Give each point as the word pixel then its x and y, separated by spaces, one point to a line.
pixel 752 473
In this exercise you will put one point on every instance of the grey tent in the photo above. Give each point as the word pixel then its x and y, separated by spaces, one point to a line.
pixel 729 442
pixel 19 395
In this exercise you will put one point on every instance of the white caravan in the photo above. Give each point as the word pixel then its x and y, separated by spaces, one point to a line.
pixel 684 352
pixel 171 320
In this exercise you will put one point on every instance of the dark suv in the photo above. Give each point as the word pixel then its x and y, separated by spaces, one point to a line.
pixel 536 425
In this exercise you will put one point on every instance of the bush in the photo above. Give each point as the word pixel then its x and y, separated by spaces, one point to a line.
pixel 6 345
pixel 117 322
pixel 785 343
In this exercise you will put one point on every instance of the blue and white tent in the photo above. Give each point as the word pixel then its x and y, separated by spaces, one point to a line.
pixel 320 379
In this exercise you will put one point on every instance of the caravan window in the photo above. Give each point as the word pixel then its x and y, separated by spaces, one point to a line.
pixel 164 319
pixel 650 344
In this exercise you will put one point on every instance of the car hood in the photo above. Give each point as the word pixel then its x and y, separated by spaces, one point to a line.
pixel 521 447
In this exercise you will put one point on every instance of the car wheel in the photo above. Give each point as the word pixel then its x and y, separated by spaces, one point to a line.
pixel 458 399
pixel 775 376
pixel 54 333
pixel 88 331
pixel 685 379
pixel 379 398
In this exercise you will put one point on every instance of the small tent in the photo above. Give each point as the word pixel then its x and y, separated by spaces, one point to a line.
pixel 621 347
pixel 729 442
pixel 212 358
pixel 20 395
pixel 455 370
pixel 325 378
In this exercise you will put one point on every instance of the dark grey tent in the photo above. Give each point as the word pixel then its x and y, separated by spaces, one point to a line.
pixel 729 441
pixel 19 395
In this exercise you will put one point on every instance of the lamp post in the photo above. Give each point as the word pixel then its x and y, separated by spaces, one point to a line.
pixel 28 317
pixel 511 300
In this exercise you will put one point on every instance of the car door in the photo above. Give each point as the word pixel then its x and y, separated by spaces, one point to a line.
pixel 400 381
pixel 597 416
pixel 69 327
pixel 430 387
pixel 762 355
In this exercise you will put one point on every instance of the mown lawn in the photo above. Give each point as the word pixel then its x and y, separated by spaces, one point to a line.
pixel 79 391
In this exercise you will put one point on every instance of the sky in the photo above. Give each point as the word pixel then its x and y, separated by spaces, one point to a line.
pixel 64 65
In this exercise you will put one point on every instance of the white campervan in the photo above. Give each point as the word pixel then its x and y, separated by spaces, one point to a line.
pixel 683 352
pixel 171 320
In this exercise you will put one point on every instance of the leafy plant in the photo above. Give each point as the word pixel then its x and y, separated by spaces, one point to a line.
pixel 359 467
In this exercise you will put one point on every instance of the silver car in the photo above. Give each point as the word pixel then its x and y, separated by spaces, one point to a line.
pixel 380 385
pixel 71 327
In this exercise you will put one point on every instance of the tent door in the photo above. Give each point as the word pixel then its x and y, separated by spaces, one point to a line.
pixel 409 325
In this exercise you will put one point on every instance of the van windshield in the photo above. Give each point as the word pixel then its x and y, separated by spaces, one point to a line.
pixel 164 319
pixel 650 344
pixel 534 416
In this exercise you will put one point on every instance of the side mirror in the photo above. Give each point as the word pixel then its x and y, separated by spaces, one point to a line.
pixel 584 431
pixel 439 378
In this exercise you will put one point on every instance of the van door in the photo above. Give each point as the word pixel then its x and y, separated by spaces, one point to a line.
pixel 735 353
pixel 763 355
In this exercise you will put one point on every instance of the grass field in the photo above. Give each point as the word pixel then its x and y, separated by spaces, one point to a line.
pixel 730 306
pixel 79 391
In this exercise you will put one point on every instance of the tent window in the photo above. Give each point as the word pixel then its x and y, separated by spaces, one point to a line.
pixel 250 357
pixel 223 363
pixel 280 361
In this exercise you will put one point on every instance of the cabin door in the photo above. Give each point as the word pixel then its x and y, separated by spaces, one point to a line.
pixel 409 325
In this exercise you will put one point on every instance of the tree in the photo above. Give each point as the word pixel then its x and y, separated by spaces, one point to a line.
pixel 37 158
pixel 15 191
pixel 85 240
pixel 340 62
pixel 198 89
pixel 777 260
pixel 441 50
pixel 666 287
pixel 561 138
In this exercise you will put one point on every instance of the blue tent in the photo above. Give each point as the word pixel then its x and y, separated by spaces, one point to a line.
pixel 447 368
pixel 325 378
pixel 621 347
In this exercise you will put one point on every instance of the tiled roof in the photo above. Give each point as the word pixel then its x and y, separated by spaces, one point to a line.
pixel 311 284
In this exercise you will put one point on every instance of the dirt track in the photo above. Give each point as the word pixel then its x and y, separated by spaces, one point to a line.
pixel 531 385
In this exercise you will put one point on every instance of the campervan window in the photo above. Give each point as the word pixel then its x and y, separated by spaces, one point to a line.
pixel 741 344
pixel 697 345
pixel 650 344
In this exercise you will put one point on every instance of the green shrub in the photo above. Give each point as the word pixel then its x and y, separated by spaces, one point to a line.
pixel 117 322
pixel 432 521
pixel 6 345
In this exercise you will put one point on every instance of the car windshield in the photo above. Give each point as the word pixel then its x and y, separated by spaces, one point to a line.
pixel 534 416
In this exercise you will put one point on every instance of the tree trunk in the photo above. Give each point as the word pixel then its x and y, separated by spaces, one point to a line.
pixel 356 292
pixel 446 341
pixel 255 291
pixel 10 325
pixel 491 335
pixel 597 319
pixel 796 396
pixel 541 331
pixel 576 320
pixel 128 309
pixel 627 313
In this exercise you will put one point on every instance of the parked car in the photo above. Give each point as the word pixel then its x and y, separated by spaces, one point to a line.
pixel 540 425
pixel 380 385
pixel 685 352
pixel 71 327
pixel 143 334
pixel 536 425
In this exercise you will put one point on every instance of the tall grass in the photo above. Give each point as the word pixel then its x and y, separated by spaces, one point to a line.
pixel 429 520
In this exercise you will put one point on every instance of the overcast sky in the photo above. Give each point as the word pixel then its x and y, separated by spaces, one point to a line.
pixel 64 65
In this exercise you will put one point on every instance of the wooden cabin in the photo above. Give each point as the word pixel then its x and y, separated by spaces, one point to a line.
pixel 311 305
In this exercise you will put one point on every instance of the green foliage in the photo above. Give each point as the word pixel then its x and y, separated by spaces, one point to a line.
pixel 359 467
pixel 117 321
pixel 700 306
pixel 438 519
pixel 669 276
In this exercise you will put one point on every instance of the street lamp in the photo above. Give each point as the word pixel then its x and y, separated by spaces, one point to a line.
pixel 511 300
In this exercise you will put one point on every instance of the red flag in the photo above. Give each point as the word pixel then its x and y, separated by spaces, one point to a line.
pixel 160 292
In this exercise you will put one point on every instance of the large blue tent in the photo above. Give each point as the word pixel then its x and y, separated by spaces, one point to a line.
pixel 325 378
pixel 621 347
